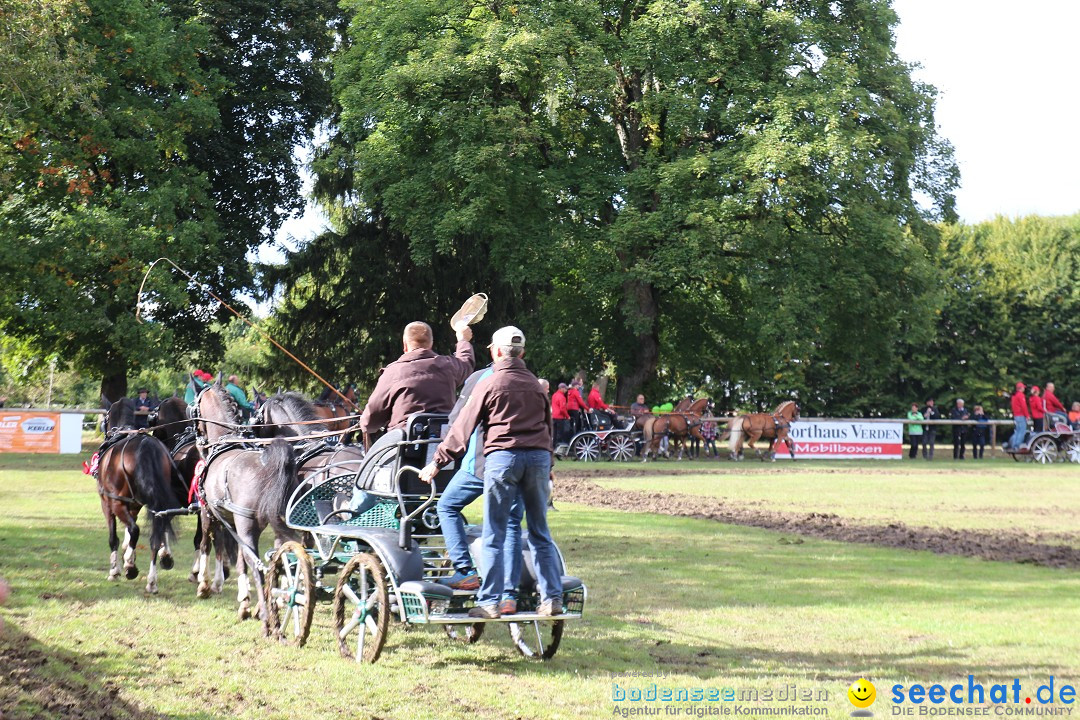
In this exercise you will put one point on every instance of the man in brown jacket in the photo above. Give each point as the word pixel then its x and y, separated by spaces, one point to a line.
pixel 418 381
pixel 516 416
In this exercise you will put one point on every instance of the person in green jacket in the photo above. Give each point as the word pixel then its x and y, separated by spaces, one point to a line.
pixel 914 431
pixel 196 382
pixel 238 394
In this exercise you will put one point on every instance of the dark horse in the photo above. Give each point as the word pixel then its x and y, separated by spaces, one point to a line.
pixel 174 427
pixel 242 487
pixel 675 425
pixel 135 471
pixel 292 415
pixel 773 428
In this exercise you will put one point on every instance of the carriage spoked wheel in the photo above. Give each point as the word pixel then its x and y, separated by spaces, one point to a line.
pixel 1072 449
pixel 621 447
pixel 361 608
pixel 537 640
pixel 290 594
pixel 585 448
pixel 1044 450
pixel 467 634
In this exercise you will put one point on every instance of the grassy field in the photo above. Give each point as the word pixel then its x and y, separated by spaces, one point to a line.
pixel 988 494
pixel 705 604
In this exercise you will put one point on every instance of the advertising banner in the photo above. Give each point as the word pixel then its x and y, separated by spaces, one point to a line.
pixel 31 432
pixel 846 440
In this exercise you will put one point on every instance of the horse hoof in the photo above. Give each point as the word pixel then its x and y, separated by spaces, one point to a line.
pixel 167 562
pixel 114 576
pixel 132 572
pixel 151 590
pixel 216 589
pixel 193 578
pixel 244 612
pixel 203 592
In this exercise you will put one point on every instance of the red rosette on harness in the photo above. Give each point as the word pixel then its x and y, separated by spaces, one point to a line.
pixel 195 491
pixel 92 467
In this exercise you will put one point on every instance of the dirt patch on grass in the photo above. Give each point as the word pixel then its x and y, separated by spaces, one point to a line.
pixel 47 682
pixel 1001 545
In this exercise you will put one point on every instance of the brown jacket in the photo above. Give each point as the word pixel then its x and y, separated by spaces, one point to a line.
pixel 418 381
pixel 513 408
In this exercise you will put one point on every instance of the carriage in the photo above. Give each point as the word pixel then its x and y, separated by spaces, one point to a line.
pixel 604 439
pixel 375 553
pixel 1058 442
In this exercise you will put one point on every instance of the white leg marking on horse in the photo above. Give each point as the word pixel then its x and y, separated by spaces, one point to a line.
pixel 151 578
pixel 114 565
pixel 219 577
pixel 243 592
pixel 129 550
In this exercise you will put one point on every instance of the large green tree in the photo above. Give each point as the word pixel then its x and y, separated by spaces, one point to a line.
pixel 185 150
pixel 727 189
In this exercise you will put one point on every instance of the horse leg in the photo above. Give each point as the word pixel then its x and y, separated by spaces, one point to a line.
pixel 247 532
pixel 156 547
pixel 203 590
pixel 114 545
pixel 221 567
pixel 197 542
pixel 131 540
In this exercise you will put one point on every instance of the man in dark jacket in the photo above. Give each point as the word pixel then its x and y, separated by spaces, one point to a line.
pixel 959 432
pixel 418 381
pixel 144 405
pixel 516 416
pixel 930 412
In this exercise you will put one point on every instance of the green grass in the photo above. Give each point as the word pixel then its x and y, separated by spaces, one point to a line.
pixel 709 604
pixel 989 494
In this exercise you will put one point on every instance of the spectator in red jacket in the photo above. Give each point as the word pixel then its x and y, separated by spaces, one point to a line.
pixel 1038 411
pixel 1020 416
pixel 1053 406
pixel 597 404
pixel 560 417
pixel 575 403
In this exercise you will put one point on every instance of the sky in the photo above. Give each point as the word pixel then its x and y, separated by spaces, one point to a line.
pixel 1006 73
pixel 1007 77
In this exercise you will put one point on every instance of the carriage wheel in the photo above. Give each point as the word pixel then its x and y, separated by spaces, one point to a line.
pixel 537 640
pixel 464 633
pixel 1072 449
pixel 585 448
pixel 361 608
pixel 621 447
pixel 1044 450
pixel 290 594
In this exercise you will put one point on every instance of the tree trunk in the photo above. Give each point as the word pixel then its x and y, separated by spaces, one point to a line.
pixel 114 386
pixel 639 299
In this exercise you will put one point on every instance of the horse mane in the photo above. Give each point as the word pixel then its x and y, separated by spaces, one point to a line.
pixel 694 408
pixel 228 402
pixel 296 406
pixel 781 406
pixel 121 414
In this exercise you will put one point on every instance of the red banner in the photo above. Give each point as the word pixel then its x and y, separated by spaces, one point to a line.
pixel 29 432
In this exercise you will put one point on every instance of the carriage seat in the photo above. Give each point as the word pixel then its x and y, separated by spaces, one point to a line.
pixel 358 502
pixel 413 445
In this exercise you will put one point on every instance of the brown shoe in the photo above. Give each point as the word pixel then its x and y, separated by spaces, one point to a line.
pixel 549 608
pixel 508 607
pixel 488 612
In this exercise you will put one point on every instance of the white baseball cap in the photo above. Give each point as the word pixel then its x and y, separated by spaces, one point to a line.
pixel 508 336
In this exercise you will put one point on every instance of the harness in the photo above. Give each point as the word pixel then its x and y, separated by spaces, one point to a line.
pixel 112 438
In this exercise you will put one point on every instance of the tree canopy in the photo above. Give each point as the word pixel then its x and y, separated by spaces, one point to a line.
pixel 737 189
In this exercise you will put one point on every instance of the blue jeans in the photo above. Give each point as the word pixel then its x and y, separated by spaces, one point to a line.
pixel 463 489
pixel 1017 438
pixel 511 476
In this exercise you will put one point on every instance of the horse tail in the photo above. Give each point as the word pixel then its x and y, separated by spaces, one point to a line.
pixel 735 430
pixel 157 479
pixel 279 479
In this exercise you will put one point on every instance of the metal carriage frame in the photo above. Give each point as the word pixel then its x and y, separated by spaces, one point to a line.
pixel 615 443
pixel 388 554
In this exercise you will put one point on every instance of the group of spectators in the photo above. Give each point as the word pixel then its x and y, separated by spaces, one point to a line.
pixel 926 436
pixel 1040 407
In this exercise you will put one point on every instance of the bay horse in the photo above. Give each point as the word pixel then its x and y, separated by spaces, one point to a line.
pixel 291 415
pixel 174 426
pixel 134 471
pixel 773 427
pixel 244 488
pixel 675 425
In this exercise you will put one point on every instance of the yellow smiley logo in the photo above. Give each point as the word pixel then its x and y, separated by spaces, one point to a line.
pixel 862 693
